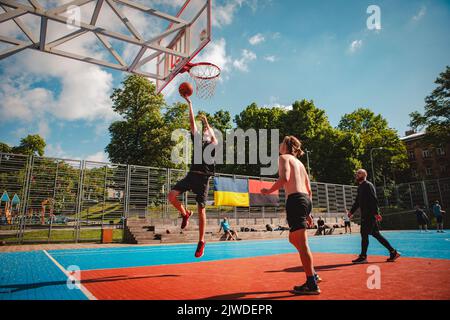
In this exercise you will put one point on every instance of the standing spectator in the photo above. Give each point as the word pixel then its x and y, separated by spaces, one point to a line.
pixel 438 213
pixel 347 224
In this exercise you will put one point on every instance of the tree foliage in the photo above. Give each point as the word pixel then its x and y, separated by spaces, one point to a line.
pixel 372 132
pixel 436 118
pixel 32 144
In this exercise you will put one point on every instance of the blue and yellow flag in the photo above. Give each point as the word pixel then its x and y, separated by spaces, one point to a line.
pixel 231 192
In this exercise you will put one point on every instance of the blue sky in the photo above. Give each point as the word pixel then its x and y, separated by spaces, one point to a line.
pixel 271 52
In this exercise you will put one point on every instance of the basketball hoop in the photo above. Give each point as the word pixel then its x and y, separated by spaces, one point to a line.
pixel 205 75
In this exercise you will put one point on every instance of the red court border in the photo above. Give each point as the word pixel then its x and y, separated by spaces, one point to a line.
pixel 272 277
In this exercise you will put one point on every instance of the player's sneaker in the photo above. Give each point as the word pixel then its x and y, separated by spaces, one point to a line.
pixel 185 221
pixel 318 278
pixel 305 290
pixel 200 249
pixel 360 260
pixel 393 256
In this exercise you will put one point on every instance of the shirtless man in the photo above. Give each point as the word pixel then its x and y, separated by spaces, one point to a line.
pixel 295 181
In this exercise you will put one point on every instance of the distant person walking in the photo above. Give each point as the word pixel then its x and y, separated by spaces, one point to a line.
pixel 367 202
pixel 347 224
pixel 438 214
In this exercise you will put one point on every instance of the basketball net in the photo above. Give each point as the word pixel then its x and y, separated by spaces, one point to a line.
pixel 205 76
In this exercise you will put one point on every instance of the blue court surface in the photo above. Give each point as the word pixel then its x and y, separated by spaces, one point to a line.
pixel 33 275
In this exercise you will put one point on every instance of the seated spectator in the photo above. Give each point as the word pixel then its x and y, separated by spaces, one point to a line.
pixel 321 226
pixel 230 233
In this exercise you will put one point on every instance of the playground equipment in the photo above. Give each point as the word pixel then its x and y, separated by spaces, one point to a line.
pixel 10 206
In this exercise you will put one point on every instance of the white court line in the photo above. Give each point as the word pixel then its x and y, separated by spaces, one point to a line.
pixel 136 250
pixel 83 289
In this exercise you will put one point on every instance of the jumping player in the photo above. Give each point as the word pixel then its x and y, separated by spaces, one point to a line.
pixel 197 179
pixel 295 181
pixel 367 201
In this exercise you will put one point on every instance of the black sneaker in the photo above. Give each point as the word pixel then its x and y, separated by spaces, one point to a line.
pixel 393 256
pixel 305 290
pixel 360 260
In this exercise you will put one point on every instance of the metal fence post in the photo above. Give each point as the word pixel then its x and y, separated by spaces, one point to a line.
pixel 425 195
pixel 410 195
pixel 127 193
pixel 79 202
pixel 328 199
pixel 26 194
pixel 440 192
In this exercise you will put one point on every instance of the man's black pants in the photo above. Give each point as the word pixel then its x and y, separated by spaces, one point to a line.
pixel 370 227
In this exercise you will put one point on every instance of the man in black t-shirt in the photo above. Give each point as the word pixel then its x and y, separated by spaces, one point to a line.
pixel 197 179
pixel 367 201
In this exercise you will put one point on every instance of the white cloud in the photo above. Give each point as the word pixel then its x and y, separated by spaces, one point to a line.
pixel 98 157
pixel 270 58
pixel 256 39
pixel 420 14
pixel 57 151
pixel 242 63
pixel 355 45
pixel 224 14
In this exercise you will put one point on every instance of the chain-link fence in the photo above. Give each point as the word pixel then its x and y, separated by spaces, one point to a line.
pixel 400 202
pixel 63 200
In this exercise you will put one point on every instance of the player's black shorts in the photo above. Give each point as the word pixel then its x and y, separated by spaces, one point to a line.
pixel 347 223
pixel 298 208
pixel 198 184
pixel 439 219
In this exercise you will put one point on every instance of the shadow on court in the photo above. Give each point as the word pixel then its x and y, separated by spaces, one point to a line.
pixel 253 295
pixel 29 286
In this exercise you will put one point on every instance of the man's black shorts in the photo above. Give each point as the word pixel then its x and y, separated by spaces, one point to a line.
pixel 439 219
pixel 347 223
pixel 197 183
pixel 298 208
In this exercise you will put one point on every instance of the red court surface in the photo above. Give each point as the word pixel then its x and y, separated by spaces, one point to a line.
pixel 272 277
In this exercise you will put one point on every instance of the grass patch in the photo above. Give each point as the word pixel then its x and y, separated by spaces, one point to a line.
pixel 67 235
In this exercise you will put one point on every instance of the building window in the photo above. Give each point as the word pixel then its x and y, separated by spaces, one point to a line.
pixel 429 171
pixel 412 155
pixel 426 153
pixel 440 151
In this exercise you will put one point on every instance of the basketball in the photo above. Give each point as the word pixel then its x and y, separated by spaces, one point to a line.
pixel 186 89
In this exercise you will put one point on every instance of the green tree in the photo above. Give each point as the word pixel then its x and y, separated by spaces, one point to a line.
pixel 328 146
pixel 30 145
pixel 436 118
pixel 138 138
pixel 372 131
pixel 255 117
pixel 5 148
pixel 220 120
